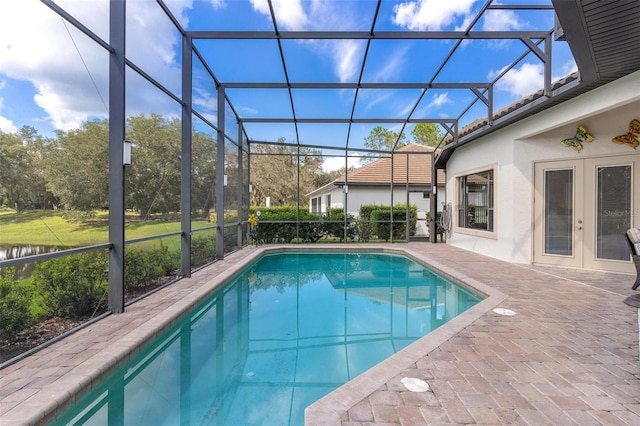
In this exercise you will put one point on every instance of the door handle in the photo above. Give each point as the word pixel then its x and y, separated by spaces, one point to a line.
pixel 579 225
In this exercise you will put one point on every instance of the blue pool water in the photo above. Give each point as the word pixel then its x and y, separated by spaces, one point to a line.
pixel 287 331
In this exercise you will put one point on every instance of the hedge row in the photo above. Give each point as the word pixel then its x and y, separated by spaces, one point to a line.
pixel 76 286
pixel 285 224
pixel 375 221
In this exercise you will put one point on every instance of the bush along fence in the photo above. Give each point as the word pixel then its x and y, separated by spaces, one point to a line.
pixel 75 286
pixel 285 224
pixel 375 222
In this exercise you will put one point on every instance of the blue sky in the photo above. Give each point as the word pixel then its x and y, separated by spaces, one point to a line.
pixel 53 77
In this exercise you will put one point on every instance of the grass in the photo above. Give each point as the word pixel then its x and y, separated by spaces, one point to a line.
pixel 71 229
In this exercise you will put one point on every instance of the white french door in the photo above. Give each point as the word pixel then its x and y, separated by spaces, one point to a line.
pixel 582 208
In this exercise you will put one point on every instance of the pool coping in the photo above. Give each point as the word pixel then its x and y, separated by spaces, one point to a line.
pixel 39 387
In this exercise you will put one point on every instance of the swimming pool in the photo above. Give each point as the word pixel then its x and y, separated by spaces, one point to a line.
pixel 285 332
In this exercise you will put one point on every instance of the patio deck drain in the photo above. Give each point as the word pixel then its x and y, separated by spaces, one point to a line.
pixel 505 312
pixel 415 385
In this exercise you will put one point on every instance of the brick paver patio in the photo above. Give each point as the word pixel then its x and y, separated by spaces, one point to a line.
pixel 568 356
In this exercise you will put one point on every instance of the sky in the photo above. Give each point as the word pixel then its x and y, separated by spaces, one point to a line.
pixel 53 77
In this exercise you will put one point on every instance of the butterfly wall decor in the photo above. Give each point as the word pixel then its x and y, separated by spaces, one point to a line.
pixel 632 138
pixel 577 141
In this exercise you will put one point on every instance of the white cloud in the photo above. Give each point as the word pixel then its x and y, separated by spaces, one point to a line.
pixel 439 100
pixel 320 15
pixel 331 164
pixel 290 14
pixel 218 4
pixel 6 125
pixel 374 97
pixel 522 81
pixel 392 66
pixel 70 72
pixel 346 55
pixel 179 8
pixel 204 99
pixel 568 68
pixel 433 15
pixel 248 110
pixel 501 20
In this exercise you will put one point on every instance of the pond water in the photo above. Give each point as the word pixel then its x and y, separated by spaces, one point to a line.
pixel 15 251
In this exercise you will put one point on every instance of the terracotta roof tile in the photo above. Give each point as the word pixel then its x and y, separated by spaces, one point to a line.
pixel 378 172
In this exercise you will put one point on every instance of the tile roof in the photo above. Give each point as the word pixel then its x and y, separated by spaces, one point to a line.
pixel 378 172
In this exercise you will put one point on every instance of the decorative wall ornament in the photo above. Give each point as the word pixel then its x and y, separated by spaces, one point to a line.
pixel 631 138
pixel 577 141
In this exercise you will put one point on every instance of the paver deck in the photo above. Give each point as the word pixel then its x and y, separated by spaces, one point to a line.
pixel 568 356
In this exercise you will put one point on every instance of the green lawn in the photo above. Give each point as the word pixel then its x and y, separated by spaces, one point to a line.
pixel 65 229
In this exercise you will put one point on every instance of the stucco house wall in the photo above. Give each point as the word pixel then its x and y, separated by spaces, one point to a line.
pixel 359 195
pixel 371 183
pixel 513 151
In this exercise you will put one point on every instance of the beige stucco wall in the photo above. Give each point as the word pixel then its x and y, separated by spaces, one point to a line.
pixel 512 151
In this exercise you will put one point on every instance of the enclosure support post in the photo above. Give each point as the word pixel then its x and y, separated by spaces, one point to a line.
pixel 407 228
pixel 298 193
pixel 433 201
pixel 186 158
pixel 241 186
pixel 393 155
pixel 220 172
pixel 117 17
pixel 345 195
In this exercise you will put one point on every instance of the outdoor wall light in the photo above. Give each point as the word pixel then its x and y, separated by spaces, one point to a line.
pixel 126 153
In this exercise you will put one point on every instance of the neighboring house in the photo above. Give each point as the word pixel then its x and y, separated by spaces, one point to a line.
pixel 371 184
pixel 557 188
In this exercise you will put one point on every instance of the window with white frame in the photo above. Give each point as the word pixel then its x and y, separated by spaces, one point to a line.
pixel 475 201
pixel 316 205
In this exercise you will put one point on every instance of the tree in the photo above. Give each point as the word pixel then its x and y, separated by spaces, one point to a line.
pixel 22 183
pixel 153 180
pixel 274 173
pixel 429 134
pixel 382 139
pixel 77 166
pixel 203 172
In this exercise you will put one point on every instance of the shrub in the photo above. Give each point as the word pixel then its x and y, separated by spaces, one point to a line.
pixel 72 286
pixel 336 226
pixel 143 267
pixel 203 249
pixel 376 221
pixel 14 306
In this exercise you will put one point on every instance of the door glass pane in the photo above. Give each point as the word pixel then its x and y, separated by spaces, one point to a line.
pixel 613 212
pixel 558 212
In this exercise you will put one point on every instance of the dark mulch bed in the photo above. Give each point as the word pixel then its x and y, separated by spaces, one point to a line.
pixel 37 335
pixel 53 327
